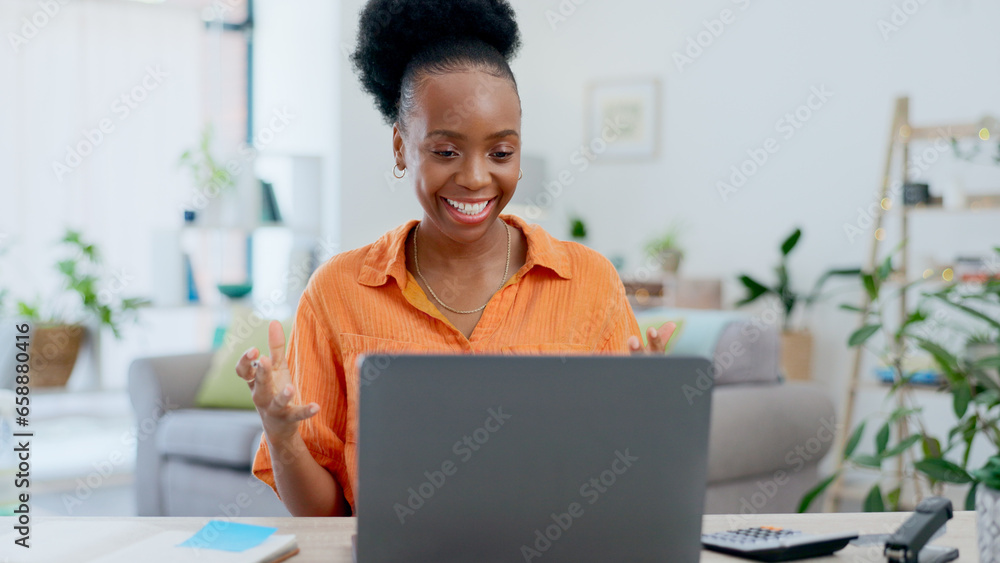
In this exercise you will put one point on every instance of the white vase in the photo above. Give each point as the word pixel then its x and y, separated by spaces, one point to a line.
pixel 988 524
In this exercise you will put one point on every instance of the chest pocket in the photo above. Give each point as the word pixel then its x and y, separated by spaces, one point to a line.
pixel 354 346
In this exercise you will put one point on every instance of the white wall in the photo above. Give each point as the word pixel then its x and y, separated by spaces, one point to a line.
pixel 762 66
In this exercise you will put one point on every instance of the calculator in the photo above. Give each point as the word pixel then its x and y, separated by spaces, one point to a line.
pixel 767 543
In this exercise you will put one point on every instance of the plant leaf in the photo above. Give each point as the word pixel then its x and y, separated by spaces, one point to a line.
pixel 790 242
pixel 885 268
pixel 963 307
pixel 943 470
pixel 931 447
pixel 990 362
pixel 873 502
pixel 862 335
pixel 870 286
pixel 902 446
pixel 814 492
pixel 970 499
pixel 754 288
pixel 853 441
pixel 814 295
pixel 882 439
pixel 961 395
pixel 866 460
pixel 893 498
pixel 849 307
pixel 945 359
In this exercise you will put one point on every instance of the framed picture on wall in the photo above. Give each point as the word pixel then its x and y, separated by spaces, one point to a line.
pixel 623 118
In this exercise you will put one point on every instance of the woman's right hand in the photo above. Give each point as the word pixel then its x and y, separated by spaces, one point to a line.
pixel 270 382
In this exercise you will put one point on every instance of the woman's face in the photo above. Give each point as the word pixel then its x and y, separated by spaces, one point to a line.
pixel 462 144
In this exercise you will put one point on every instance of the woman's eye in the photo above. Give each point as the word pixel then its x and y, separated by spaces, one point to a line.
pixel 502 154
pixel 446 154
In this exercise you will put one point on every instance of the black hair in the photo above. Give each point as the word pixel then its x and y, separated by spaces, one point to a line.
pixel 401 41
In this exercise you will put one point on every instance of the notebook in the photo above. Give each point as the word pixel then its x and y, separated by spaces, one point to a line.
pixel 163 548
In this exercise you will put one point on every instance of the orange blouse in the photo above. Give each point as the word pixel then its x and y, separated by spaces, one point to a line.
pixel 567 298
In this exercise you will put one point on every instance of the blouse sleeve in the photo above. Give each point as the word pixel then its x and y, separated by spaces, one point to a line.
pixel 315 365
pixel 621 322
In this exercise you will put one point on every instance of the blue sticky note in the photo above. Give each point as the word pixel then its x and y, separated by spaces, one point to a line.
pixel 228 536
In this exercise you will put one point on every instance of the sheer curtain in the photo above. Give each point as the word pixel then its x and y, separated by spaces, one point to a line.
pixel 97 100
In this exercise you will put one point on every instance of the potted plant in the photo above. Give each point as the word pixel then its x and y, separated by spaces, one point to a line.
pixel 988 510
pixel 666 249
pixel 796 343
pixel 578 229
pixel 58 332
pixel 924 461
pixel 211 179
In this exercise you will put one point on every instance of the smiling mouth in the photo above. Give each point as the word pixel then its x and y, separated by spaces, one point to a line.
pixel 470 209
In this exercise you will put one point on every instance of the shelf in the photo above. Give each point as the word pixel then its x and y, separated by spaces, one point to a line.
pixel 928 210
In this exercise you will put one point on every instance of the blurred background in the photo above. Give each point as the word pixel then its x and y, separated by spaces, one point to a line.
pixel 175 171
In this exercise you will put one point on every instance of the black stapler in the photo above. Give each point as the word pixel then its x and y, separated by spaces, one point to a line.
pixel 909 543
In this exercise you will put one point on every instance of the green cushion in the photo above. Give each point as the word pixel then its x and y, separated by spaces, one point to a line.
pixel 222 388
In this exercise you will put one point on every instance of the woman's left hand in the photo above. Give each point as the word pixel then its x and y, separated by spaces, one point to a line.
pixel 657 338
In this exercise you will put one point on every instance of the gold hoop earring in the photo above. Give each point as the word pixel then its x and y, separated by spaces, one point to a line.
pixel 521 175
pixel 394 167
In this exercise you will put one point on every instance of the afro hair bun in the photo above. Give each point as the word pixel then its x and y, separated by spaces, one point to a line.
pixel 393 32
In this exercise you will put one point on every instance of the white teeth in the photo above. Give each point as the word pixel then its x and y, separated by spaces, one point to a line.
pixel 468 208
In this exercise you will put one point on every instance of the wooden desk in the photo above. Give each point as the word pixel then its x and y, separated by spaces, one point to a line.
pixel 328 540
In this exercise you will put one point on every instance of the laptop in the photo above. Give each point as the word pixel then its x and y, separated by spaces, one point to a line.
pixel 532 458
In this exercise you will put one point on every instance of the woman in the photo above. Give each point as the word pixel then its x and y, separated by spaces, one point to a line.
pixel 464 278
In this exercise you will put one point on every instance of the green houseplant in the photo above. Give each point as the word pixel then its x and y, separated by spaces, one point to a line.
pixel 666 249
pixel 988 510
pixel 922 460
pixel 796 343
pixel 206 173
pixel 577 229
pixel 60 326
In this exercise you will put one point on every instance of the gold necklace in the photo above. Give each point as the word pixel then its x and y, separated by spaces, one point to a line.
pixel 416 263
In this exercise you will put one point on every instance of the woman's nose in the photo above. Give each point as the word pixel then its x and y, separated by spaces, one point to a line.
pixel 474 174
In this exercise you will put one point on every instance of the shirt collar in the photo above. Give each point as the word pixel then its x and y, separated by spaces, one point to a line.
pixel 387 256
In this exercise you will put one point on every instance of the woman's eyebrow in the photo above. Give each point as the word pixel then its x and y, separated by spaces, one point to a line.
pixel 461 136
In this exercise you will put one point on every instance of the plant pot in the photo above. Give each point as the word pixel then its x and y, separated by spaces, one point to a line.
pixel 670 260
pixel 988 524
pixel 53 353
pixel 796 354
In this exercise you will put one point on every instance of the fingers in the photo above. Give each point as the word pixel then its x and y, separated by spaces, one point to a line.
pixel 658 338
pixel 244 367
pixel 302 412
pixel 276 343
pixel 282 403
